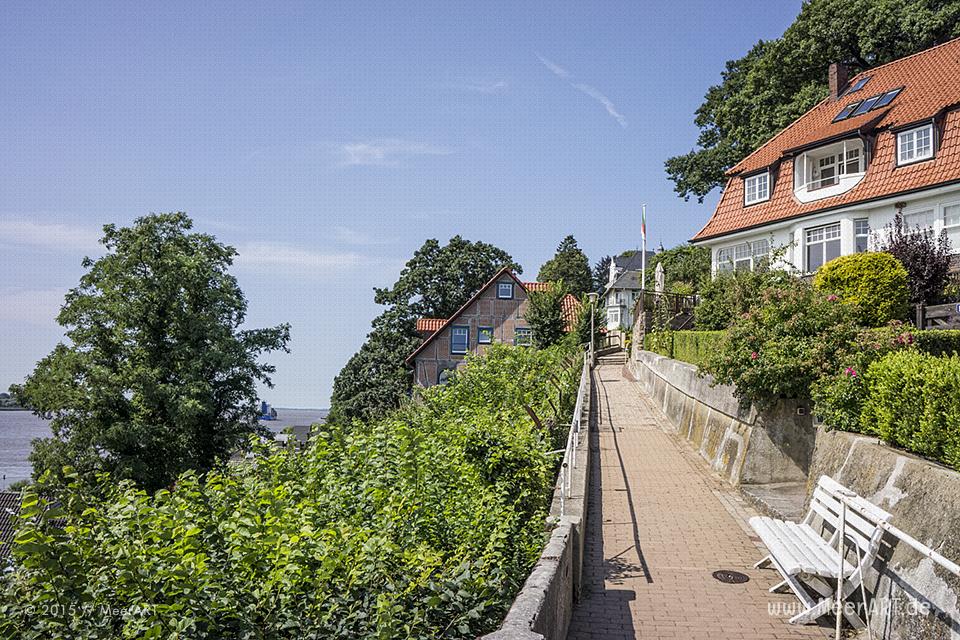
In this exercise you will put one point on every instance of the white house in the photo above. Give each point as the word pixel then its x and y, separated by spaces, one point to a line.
pixel 623 289
pixel 887 140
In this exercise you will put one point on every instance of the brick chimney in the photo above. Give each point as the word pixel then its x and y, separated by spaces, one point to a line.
pixel 839 78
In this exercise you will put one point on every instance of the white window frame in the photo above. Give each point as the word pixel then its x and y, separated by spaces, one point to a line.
pixel 907 151
pixel 858 233
pixel 756 188
pixel 613 316
pixel 500 288
pixel 953 230
pixel 745 255
pixel 834 230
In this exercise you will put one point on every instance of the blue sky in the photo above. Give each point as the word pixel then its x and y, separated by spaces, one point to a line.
pixel 327 141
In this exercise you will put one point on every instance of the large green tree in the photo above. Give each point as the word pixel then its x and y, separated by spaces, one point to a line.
pixel 570 264
pixel 545 314
pixel 434 283
pixel 158 377
pixel 685 268
pixel 778 80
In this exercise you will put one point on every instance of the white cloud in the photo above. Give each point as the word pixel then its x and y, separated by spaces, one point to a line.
pixel 489 88
pixel 605 101
pixel 44 235
pixel 555 68
pixel 386 153
pixel 587 89
pixel 35 307
pixel 272 256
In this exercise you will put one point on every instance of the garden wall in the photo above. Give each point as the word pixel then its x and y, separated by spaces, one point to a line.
pixel 914 598
pixel 741 444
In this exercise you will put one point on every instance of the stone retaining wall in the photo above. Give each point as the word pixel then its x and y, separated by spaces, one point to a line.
pixel 542 609
pixel 741 444
pixel 914 598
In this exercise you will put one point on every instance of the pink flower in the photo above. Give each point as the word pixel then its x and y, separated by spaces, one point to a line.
pixel 754 355
pixel 850 371
pixel 832 298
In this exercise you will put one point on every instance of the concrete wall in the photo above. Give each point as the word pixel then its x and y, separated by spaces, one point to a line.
pixel 742 445
pixel 914 598
pixel 544 605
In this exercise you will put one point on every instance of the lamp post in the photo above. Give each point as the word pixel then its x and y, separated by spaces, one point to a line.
pixel 592 297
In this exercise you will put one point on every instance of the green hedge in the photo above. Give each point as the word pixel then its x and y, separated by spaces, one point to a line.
pixel 687 346
pixel 913 402
pixel 937 342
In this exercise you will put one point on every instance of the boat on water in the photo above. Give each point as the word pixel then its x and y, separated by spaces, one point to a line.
pixel 267 412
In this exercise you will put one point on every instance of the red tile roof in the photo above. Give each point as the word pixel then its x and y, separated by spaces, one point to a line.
pixel 569 310
pixel 429 324
pixel 931 86
pixel 536 286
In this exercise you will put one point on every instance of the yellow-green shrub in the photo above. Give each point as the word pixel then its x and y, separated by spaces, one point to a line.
pixel 875 283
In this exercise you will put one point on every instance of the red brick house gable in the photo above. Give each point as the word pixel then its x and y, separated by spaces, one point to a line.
pixel 490 316
pixel 929 92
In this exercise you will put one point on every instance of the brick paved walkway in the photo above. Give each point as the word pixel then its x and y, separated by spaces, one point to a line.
pixel 659 524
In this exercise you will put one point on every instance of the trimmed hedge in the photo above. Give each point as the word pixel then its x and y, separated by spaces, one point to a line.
pixel 687 346
pixel 913 402
pixel 874 283
pixel 938 342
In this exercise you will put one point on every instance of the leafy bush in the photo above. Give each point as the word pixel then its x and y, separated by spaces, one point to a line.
pixel 913 401
pixel 839 397
pixel 731 294
pixel 791 336
pixel 875 283
pixel 938 342
pixel 422 525
pixel 926 258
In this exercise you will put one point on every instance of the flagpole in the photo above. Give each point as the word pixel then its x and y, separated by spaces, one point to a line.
pixel 643 250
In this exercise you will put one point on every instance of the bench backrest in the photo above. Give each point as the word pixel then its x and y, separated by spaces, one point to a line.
pixel 862 518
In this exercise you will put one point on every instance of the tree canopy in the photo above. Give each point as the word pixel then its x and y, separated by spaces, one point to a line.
pixel 545 315
pixel 569 264
pixel 158 377
pixel 779 80
pixel 601 273
pixel 685 268
pixel 434 283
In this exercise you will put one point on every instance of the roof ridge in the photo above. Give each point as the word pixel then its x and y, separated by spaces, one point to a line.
pixel 733 170
pixel 907 57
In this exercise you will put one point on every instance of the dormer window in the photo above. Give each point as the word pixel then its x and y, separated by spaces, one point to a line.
pixel 915 145
pixel 829 170
pixel 756 188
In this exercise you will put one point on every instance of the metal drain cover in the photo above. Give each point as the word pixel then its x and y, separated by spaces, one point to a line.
pixel 731 577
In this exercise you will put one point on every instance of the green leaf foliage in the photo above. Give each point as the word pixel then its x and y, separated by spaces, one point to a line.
pixel 874 283
pixel 779 80
pixel 694 347
pixel 421 525
pixel 570 265
pixel 434 283
pixel 685 268
pixel 730 294
pixel 790 337
pixel 158 376
pixel 913 402
pixel 545 314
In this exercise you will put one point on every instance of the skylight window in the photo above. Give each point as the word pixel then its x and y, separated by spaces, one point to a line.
pixel 846 111
pixel 873 102
pixel 865 106
pixel 858 85
pixel 887 98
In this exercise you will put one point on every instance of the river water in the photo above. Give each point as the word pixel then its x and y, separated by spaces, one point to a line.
pixel 19 428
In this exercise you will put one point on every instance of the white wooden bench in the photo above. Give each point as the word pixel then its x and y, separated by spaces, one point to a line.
pixel 808 561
